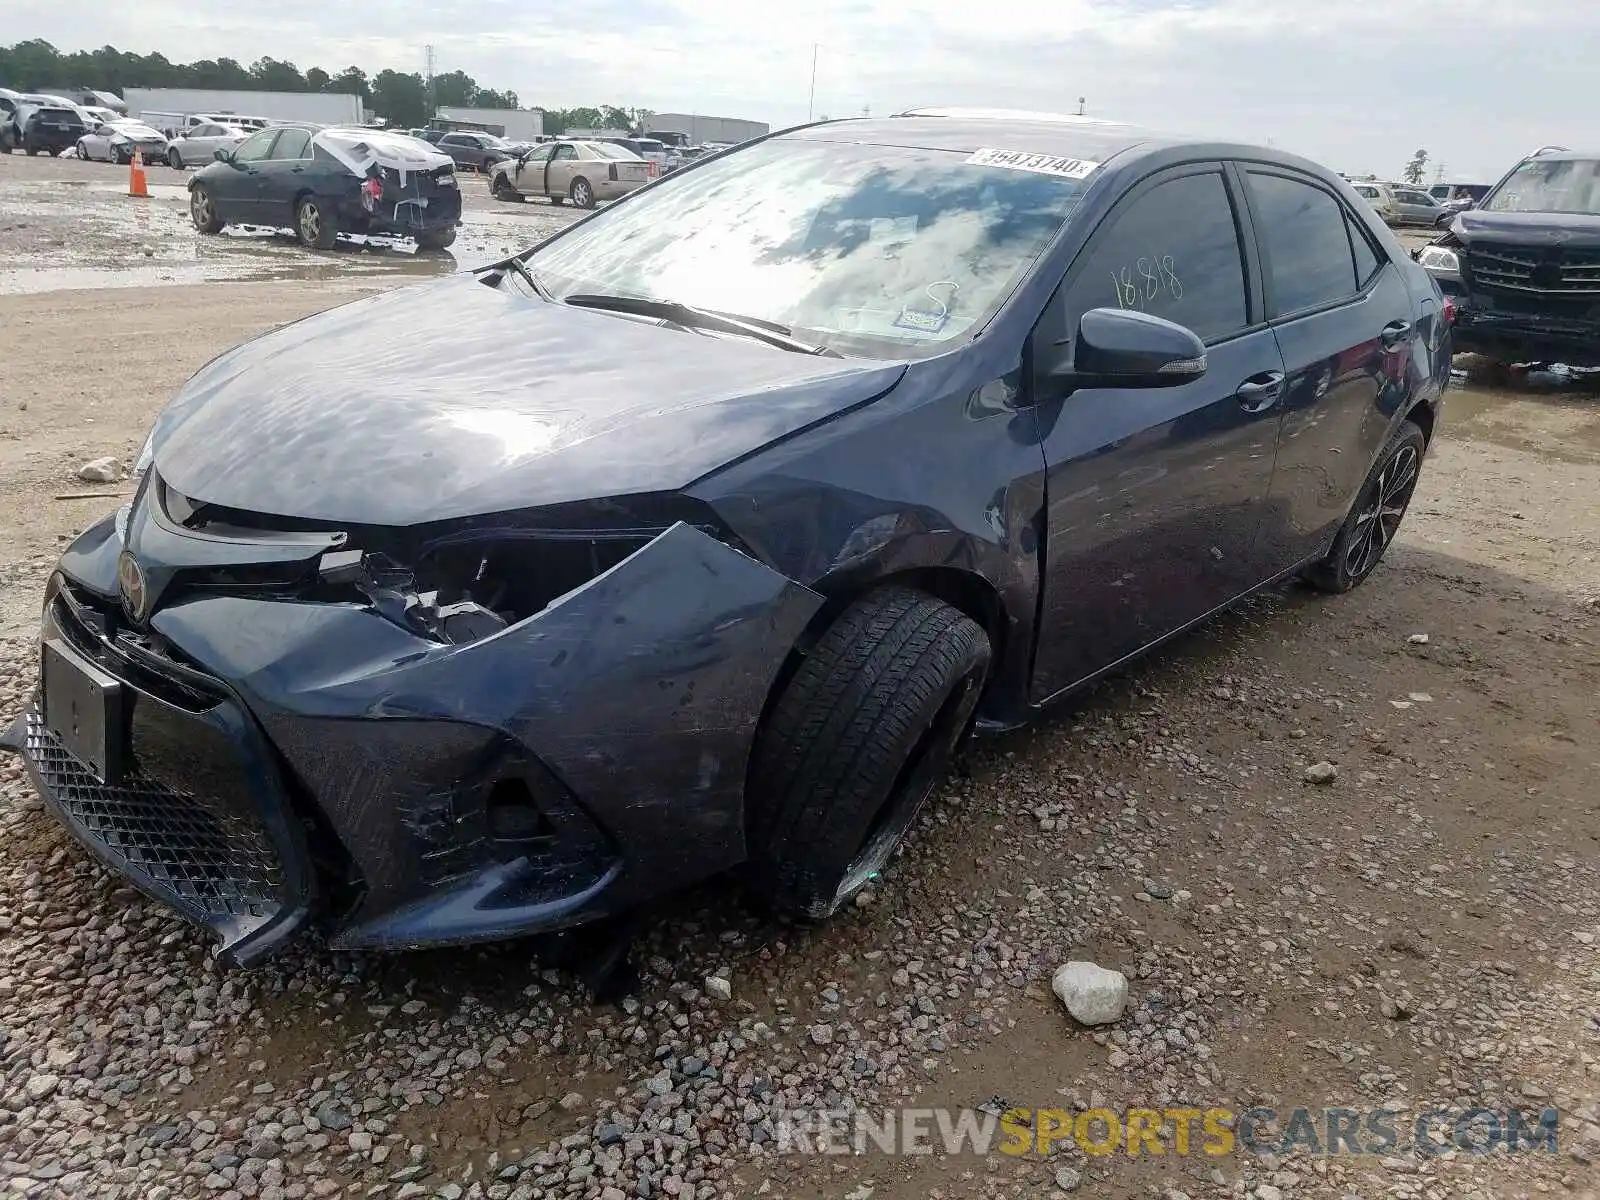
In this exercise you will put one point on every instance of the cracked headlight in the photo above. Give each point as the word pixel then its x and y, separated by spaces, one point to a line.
pixel 1440 258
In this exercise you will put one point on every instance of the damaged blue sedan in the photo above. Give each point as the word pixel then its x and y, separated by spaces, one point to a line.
pixel 697 537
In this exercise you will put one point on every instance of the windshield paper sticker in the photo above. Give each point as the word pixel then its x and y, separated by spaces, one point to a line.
pixel 1041 164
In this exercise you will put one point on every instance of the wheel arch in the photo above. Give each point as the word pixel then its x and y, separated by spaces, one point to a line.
pixel 1423 414
pixel 968 592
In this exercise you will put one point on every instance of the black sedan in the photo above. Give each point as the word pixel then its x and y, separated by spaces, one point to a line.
pixel 740 503
pixel 323 182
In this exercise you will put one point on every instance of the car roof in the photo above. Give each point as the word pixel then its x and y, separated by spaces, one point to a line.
pixel 970 130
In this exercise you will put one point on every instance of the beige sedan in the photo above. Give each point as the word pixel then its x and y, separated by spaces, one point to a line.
pixel 583 172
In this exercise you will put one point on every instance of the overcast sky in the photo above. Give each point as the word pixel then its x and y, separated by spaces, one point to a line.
pixel 1356 84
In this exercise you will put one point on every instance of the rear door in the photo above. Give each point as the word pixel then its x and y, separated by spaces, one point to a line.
pixel 284 175
pixel 1344 322
pixel 558 175
pixel 1154 495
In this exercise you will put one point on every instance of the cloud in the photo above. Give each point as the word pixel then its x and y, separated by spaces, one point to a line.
pixel 1357 84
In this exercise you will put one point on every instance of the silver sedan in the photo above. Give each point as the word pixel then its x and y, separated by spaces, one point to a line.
pixel 199 144
pixel 115 142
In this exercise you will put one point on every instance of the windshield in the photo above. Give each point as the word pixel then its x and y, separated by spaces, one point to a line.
pixel 1562 185
pixel 876 250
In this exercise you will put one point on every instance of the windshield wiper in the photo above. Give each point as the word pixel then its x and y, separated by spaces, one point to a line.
pixel 533 281
pixel 689 316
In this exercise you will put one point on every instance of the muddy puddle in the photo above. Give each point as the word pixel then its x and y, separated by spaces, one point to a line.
pixel 67 234
pixel 1551 411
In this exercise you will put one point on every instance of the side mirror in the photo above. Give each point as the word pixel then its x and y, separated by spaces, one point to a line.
pixel 222 155
pixel 1125 348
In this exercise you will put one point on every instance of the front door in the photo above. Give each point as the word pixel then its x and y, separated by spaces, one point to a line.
pixel 1154 495
pixel 1342 314
pixel 239 189
pixel 530 172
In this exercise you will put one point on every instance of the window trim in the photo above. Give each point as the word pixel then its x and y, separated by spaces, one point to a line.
pixel 1253 309
pixel 1352 222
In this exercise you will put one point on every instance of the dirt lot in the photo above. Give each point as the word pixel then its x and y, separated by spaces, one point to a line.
pixel 1422 932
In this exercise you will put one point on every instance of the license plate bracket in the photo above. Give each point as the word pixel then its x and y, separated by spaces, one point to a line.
pixel 86 709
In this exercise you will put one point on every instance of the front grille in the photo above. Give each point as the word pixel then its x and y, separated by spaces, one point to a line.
pixel 212 854
pixel 1532 270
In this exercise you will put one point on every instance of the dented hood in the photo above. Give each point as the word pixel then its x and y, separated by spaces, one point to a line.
pixel 1575 230
pixel 451 399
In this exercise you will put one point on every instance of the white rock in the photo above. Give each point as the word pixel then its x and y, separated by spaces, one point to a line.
pixel 1092 994
pixel 822 1035
pixel 1267 1192
pixel 41 1087
pixel 1418 639
pixel 1067 1179
pixel 100 470
pixel 1322 773
pixel 719 988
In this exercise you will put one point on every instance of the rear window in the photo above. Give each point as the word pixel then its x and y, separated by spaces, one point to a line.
pixel 649 146
pixel 60 116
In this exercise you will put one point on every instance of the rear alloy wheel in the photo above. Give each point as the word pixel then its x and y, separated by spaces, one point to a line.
pixel 203 210
pixel 854 745
pixel 314 224
pixel 118 157
pixel 1376 515
pixel 582 193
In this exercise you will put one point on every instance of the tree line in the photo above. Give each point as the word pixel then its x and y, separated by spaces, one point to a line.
pixel 402 98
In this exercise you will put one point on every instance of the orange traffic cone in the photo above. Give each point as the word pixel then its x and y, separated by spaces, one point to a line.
pixel 136 181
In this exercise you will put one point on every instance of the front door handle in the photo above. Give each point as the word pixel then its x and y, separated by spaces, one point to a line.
pixel 1394 333
pixel 1260 392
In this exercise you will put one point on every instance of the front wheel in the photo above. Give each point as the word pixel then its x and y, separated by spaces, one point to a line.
pixel 314 224
pixel 203 210
pixel 582 193
pixel 437 240
pixel 1376 515
pixel 854 745
pixel 174 159
pixel 502 189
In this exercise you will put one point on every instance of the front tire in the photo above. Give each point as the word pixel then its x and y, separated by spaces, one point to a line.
pixel 1375 516
pixel 174 159
pixel 856 742
pixel 582 193
pixel 503 190
pixel 203 210
pixel 314 224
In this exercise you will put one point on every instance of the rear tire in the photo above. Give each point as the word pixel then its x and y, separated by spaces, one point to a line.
pixel 441 240
pixel 855 744
pixel 1376 515
pixel 314 224
pixel 582 193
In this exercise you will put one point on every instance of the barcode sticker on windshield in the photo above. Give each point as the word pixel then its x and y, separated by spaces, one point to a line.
pixel 1043 164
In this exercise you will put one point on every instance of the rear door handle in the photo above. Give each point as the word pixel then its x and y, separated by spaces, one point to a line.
pixel 1260 392
pixel 1394 333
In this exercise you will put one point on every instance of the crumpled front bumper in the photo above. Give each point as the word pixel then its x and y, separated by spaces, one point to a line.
pixel 575 764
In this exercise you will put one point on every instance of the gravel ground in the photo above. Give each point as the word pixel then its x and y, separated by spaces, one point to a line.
pixel 1420 929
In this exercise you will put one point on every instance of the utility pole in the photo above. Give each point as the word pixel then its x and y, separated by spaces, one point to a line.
pixel 427 67
pixel 811 102
pixel 1080 105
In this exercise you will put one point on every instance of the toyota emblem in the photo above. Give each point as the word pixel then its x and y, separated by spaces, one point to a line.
pixel 130 582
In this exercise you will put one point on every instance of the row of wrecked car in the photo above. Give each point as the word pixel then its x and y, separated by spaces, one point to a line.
pixel 1521 264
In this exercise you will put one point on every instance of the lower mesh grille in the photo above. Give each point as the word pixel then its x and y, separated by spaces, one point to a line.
pixel 212 854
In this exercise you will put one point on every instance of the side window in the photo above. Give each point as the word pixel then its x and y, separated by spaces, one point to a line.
pixel 449 139
pixel 1368 260
pixel 1174 252
pixel 565 152
pixel 255 147
pixel 1306 242
pixel 291 144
